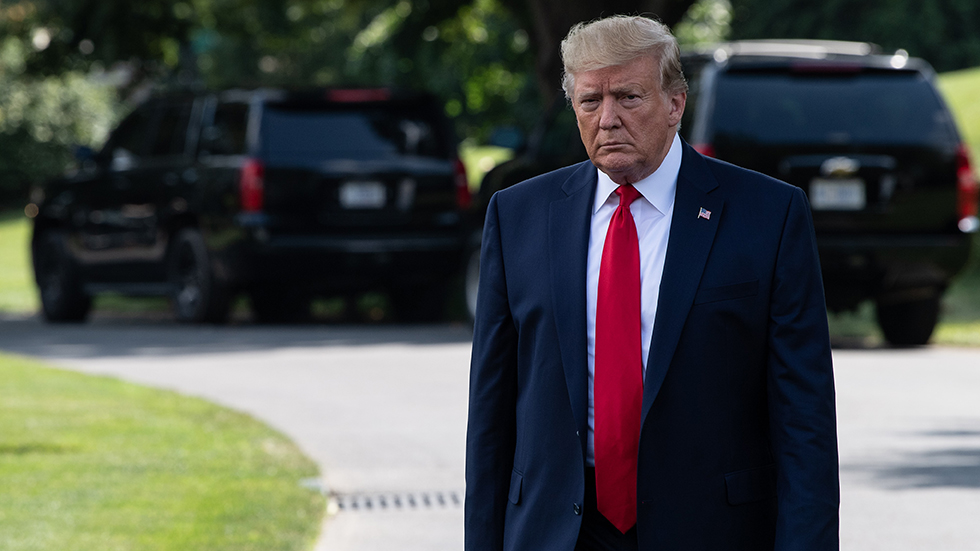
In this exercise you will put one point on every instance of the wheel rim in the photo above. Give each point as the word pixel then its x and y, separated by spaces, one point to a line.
pixel 189 290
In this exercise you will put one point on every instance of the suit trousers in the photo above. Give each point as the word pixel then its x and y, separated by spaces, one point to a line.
pixel 597 533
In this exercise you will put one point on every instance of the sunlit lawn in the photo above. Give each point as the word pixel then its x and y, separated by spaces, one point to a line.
pixel 481 159
pixel 91 463
pixel 17 290
pixel 961 90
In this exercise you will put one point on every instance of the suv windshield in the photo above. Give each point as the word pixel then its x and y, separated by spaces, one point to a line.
pixel 362 133
pixel 864 109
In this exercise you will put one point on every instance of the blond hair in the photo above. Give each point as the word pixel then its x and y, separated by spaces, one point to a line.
pixel 616 40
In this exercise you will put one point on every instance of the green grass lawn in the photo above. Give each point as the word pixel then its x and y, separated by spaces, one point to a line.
pixel 17 290
pixel 962 304
pixel 478 160
pixel 961 90
pixel 92 463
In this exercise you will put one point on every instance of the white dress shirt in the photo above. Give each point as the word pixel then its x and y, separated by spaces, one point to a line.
pixel 652 213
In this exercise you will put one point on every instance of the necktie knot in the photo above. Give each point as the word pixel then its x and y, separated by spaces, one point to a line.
pixel 627 194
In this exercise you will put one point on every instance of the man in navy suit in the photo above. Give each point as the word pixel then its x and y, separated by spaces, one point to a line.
pixel 651 363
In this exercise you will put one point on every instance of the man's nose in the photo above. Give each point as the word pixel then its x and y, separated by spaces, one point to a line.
pixel 609 114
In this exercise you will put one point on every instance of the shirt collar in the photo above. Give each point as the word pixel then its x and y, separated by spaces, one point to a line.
pixel 657 188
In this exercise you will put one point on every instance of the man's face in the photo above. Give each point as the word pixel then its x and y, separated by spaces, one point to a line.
pixel 626 121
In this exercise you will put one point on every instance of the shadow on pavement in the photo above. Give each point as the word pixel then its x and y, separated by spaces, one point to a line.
pixel 956 465
pixel 162 337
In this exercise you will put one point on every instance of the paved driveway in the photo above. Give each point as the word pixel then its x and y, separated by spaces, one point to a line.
pixel 382 410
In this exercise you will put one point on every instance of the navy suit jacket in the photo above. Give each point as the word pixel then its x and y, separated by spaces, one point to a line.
pixel 738 445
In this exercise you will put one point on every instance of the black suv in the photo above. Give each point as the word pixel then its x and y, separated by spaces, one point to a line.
pixel 280 195
pixel 866 135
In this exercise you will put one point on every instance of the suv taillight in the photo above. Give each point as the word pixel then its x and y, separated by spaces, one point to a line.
pixel 359 95
pixel 463 196
pixel 966 192
pixel 251 186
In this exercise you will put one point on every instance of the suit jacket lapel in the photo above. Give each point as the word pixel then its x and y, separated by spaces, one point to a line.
pixel 568 243
pixel 688 246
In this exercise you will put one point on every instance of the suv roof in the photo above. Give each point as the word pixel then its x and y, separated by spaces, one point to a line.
pixel 819 52
pixel 822 60
pixel 810 49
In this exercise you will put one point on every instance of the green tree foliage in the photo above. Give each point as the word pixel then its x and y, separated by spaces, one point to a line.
pixel 481 56
pixel 42 116
pixel 944 32
pixel 473 54
pixel 475 57
pixel 493 62
pixel 706 22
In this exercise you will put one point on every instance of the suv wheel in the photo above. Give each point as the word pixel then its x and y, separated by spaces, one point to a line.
pixel 62 296
pixel 197 294
pixel 909 322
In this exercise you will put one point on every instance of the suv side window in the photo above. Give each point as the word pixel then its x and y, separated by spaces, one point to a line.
pixel 227 133
pixel 171 135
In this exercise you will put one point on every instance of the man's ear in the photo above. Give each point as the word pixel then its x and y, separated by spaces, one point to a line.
pixel 677 103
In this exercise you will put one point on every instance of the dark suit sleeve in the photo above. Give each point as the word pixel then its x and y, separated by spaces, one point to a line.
pixel 491 427
pixel 802 416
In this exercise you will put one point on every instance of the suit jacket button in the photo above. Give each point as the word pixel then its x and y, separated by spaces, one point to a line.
pixel 577 508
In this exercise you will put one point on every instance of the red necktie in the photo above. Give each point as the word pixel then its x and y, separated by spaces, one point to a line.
pixel 618 383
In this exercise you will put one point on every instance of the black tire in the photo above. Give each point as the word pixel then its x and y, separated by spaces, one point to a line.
pixel 62 296
pixel 420 303
pixel 909 321
pixel 281 305
pixel 198 295
pixel 471 280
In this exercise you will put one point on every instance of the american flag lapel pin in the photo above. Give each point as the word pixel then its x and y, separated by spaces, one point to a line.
pixel 705 213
